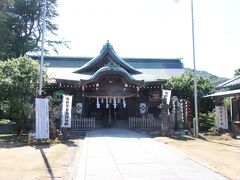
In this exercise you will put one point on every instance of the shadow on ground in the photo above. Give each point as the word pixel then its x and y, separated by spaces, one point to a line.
pixel 218 142
pixel 71 142
pixel 13 141
pixel 182 137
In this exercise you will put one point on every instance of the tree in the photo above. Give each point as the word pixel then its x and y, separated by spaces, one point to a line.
pixel 18 89
pixel 5 34
pixel 183 88
pixel 21 26
pixel 237 72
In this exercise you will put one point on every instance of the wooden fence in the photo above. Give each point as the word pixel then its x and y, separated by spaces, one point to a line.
pixel 83 123
pixel 141 123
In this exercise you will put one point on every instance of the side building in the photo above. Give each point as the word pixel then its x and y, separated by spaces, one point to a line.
pixel 109 88
pixel 229 120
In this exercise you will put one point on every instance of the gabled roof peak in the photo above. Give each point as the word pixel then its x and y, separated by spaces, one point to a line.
pixel 106 47
pixel 111 65
pixel 107 55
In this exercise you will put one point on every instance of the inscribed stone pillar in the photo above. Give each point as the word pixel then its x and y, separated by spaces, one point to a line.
pixel 165 119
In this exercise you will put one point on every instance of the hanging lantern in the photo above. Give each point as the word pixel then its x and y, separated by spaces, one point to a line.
pixel 142 108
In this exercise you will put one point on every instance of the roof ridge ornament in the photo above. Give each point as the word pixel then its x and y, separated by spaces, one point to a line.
pixel 107 46
pixel 112 65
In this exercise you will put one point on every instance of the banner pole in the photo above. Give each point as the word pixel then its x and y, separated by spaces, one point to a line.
pixel 42 48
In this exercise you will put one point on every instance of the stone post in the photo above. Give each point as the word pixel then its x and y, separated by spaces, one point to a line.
pixel 165 119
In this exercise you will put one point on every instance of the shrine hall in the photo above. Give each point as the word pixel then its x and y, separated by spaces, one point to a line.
pixel 107 88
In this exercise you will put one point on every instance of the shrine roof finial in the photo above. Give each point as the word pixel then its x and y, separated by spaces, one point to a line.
pixel 107 46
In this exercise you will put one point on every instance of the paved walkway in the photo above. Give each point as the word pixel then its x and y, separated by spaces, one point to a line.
pixel 112 154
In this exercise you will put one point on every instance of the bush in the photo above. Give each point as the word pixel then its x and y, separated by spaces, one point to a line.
pixel 18 88
pixel 206 121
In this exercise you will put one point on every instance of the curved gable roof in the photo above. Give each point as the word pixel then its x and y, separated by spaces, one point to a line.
pixel 112 69
pixel 106 56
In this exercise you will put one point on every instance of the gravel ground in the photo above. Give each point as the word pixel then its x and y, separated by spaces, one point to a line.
pixel 220 153
pixel 48 161
pixel 58 161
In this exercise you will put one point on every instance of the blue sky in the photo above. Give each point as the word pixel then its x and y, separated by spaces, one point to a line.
pixel 155 28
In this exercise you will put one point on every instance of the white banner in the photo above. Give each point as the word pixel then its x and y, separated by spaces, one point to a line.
pixel 143 108
pixel 79 107
pixel 66 111
pixel 221 117
pixel 166 94
pixel 42 118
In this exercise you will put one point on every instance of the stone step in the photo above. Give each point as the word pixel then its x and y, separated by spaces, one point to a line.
pixel 120 123
pixel 76 133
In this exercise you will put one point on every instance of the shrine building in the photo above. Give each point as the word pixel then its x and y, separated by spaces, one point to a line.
pixel 108 88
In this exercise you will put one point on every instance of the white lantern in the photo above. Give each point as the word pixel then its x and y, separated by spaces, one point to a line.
pixel 79 107
pixel 143 108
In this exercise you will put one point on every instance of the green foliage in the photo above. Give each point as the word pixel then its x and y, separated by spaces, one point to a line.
pixel 206 121
pixel 21 26
pixel 213 78
pixel 183 88
pixel 237 72
pixel 18 88
pixel 227 102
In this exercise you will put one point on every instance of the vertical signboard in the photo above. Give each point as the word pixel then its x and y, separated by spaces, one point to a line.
pixel 42 118
pixel 221 117
pixel 66 111
pixel 166 94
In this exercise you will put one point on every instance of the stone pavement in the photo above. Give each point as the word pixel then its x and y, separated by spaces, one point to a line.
pixel 114 154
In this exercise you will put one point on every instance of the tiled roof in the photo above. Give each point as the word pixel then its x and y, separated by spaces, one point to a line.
pixel 60 67
pixel 225 93
pixel 83 68
pixel 137 63
pixel 230 84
